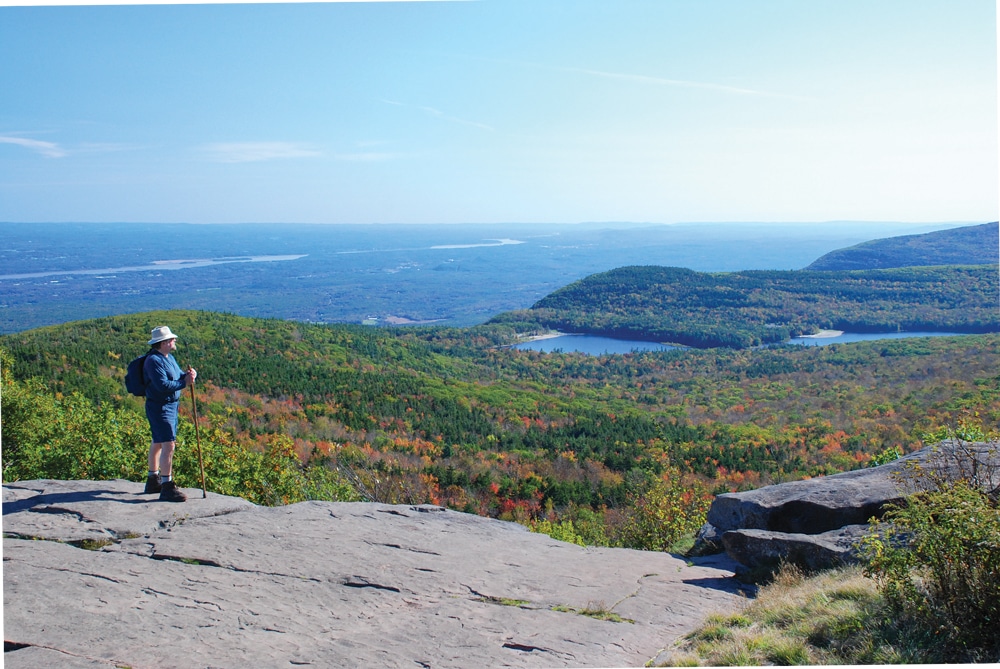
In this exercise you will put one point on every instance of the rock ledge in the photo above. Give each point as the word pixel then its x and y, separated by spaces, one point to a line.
pixel 98 575
pixel 817 523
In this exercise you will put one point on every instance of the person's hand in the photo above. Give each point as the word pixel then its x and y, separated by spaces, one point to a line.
pixel 192 374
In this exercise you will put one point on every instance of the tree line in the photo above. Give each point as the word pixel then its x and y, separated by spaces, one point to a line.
pixel 751 308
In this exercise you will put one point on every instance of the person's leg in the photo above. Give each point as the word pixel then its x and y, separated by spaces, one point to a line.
pixel 153 474
pixel 159 431
pixel 169 492
pixel 167 460
pixel 163 422
pixel 154 455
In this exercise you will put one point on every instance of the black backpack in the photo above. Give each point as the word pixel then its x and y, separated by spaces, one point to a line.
pixel 135 381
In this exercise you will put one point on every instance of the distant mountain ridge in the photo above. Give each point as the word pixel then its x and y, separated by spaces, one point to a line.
pixel 970 245
pixel 745 309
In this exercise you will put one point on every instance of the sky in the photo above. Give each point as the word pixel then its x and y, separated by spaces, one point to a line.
pixel 491 111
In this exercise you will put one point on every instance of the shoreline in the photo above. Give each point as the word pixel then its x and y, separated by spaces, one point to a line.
pixel 547 335
pixel 823 334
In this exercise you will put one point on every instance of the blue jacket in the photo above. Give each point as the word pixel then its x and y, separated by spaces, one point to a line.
pixel 164 380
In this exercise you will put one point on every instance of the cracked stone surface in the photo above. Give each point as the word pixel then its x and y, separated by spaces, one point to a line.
pixel 121 580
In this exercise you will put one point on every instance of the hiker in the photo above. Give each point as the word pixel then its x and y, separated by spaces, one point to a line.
pixel 164 383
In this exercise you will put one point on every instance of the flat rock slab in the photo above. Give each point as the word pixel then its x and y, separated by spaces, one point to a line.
pixel 100 511
pixel 219 582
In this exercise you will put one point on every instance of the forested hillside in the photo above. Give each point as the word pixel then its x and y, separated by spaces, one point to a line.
pixel 602 447
pixel 743 309
pixel 970 245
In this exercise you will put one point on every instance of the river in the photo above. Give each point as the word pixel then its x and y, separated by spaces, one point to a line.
pixel 157 265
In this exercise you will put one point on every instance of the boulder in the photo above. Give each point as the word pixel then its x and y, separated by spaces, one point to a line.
pixel 812 552
pixel 815 505
pixel 96 574
pixel 804 521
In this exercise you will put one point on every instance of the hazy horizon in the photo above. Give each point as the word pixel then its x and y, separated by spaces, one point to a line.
pixel 453 275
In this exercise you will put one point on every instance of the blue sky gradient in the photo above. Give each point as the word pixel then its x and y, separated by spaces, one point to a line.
pixel 501 111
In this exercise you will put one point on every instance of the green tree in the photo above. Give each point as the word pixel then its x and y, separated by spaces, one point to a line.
pixel 662 513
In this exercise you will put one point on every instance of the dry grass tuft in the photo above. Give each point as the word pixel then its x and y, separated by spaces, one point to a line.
pixel 795 620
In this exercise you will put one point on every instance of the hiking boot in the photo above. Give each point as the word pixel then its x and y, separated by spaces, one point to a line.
pixel 152 484
pixel 169 492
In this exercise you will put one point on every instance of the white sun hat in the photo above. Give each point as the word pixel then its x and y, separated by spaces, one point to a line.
pixel 161 333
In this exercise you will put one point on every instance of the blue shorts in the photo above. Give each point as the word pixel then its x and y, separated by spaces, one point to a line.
pixel 162 421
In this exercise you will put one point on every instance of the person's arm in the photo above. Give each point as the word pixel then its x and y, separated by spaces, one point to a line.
pixel 157 376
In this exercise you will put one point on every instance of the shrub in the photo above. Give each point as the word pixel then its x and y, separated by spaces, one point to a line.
pixel 576 525
pixel 60 437
pixel 890 454
pixel 562 530
pixel 67 437
pixel 663 513
pixel 936 559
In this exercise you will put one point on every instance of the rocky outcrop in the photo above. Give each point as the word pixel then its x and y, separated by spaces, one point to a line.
pixel 812 552
pixel 817 522
pixel 98 575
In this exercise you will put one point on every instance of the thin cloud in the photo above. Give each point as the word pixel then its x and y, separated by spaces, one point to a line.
pixel 648 80
pixel 106 147
pixel 661 81
pixel 254 152
pixel 365 157
pixel 369 151
pixel 47 149
pixel 437 113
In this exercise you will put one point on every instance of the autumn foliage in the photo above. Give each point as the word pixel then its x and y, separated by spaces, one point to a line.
pixel 611 450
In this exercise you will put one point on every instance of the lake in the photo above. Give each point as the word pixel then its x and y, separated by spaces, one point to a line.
pixel 590 344
pixel 594 345
pixel 847 337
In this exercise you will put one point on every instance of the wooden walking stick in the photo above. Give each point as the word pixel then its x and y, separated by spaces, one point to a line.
pixel 197 434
